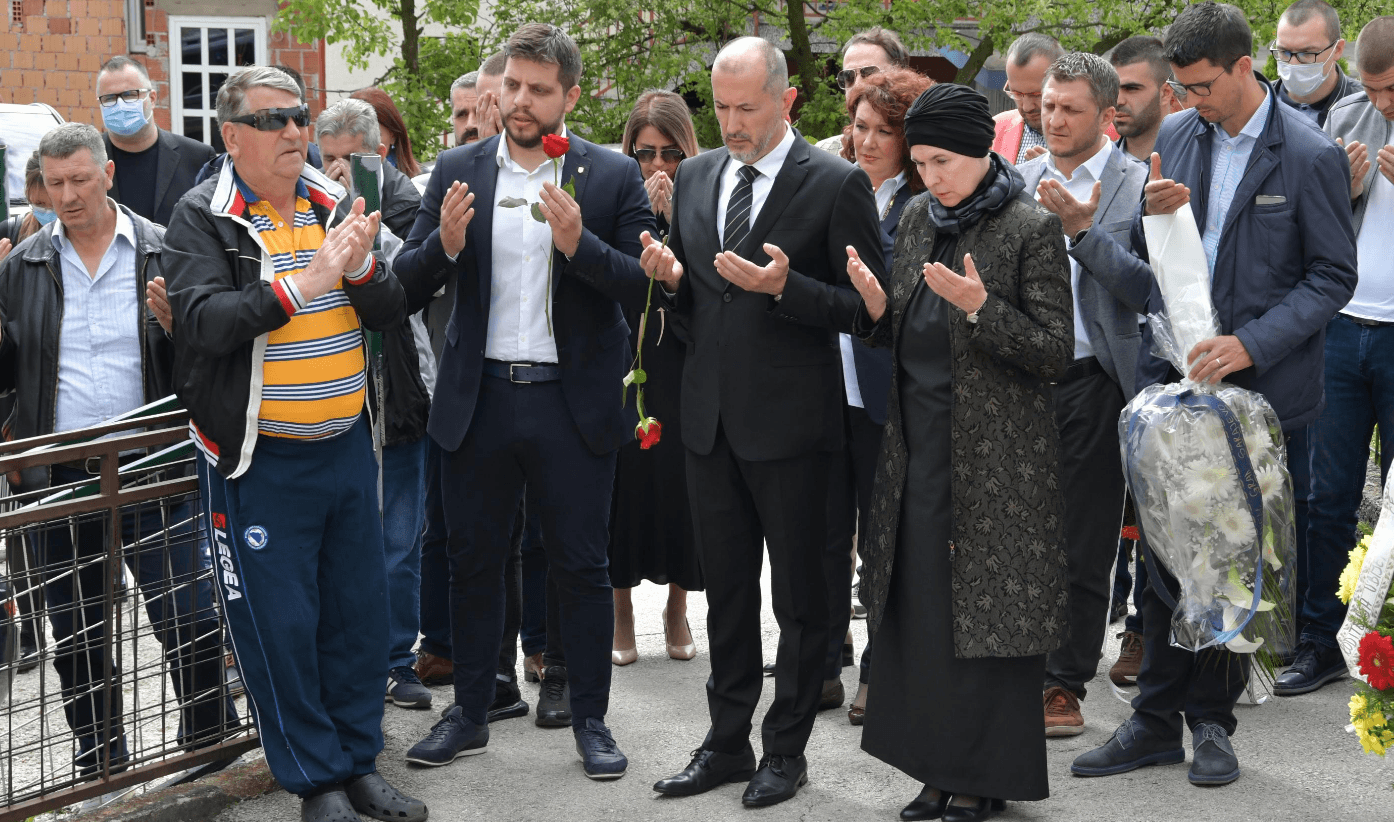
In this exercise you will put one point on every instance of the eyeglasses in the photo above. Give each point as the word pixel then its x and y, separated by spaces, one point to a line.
pixel 848 77
pixel 670 155
pixel 1285 56
pixel 109 100
pixel 1198 89
pixel 1177 89
pixel 1023 95
pixel 275 119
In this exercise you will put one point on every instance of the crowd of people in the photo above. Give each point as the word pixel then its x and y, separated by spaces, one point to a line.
pixel 894 360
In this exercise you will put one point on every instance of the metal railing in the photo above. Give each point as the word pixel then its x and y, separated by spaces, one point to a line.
pixel 110 574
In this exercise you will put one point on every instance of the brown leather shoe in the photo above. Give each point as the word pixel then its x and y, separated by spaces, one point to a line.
pixel 1125 670
pixel 532 668
pixel 434 670
pixel 1062 716
pixel 833 695
pixel 856 713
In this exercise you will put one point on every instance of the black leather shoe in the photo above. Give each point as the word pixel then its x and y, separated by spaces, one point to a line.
pixel 926 806
pixel 1212 759
pixel 1314 666
pixel 777 779
pixel 708 769
pixel 508 700
pixel 554 703
pixel 971 813
pixel 370 795
pixel 330 806
pixel 1131 747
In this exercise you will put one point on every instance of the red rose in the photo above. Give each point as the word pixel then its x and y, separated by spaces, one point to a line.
pixel 1377 660
pixel 1131 532
pixel 555 145
pixel 649 430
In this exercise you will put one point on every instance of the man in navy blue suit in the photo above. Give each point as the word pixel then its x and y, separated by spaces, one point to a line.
pixel 530 378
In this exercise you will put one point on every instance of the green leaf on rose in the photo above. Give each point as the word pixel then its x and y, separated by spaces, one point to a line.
pixel 636 377
pixel 570 187
pixel 512 202
pixel 537 213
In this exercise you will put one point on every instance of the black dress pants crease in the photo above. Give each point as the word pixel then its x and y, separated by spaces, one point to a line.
pixel 1091 477
pixel 849 498
pixel 737 507
pixel 524 435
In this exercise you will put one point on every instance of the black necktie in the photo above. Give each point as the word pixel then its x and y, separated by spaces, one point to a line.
pixel 738 208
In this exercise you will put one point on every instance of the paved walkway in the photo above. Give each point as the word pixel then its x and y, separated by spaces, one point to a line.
pixel 1298 761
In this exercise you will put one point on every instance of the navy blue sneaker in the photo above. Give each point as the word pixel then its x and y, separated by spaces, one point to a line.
pixel 600 756
pixel 1131 747
pixel 450 738
pixel 405 690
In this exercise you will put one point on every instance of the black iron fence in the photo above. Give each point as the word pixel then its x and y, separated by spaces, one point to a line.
pixel 115 669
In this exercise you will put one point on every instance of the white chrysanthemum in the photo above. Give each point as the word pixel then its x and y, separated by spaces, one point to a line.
pixel 1195 506
pixel 1271 481
pixel 1235 524
pixel 1215 481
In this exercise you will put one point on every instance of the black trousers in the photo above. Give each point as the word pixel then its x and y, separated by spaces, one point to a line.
pixel 1091 476
pixel 523 435
pixel 1173 681
pixel 738 506
pixel 849 500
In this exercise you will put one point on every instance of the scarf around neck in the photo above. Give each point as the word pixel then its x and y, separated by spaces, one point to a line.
pixel 1000 185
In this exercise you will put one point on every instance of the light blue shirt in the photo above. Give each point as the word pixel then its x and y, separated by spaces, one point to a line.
pixel 1229 160
pixel 99 369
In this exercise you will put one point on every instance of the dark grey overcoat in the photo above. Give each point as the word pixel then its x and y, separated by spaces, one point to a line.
pixel 1007 537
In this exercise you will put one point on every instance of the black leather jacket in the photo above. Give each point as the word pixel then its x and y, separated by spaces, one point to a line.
pixel 31 317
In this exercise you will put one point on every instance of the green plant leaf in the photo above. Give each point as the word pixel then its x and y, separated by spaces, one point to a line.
pixel 512 202
pixel 570 187
pixel 537 213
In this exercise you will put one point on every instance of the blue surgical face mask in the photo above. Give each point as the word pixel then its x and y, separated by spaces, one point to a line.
pixel 125 119
pixel 43 215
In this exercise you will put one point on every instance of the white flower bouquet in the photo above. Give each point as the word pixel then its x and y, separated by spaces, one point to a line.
pixel 1207 468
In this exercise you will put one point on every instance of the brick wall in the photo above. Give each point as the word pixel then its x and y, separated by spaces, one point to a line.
pixel 50 51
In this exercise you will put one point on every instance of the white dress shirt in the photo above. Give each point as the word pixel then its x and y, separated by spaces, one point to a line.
pixel 1374 293
pixel 884 194
pixel 768 166
pixel 1081 187
pixel 99 368
pixel 521 256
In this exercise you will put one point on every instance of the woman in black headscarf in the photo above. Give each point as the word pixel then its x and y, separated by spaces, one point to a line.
pixel 965 563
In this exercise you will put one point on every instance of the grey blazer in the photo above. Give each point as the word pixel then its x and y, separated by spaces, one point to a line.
pixel 1114 282
pixel 1352 119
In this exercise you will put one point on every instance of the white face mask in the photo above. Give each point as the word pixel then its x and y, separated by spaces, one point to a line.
pixel 1302 79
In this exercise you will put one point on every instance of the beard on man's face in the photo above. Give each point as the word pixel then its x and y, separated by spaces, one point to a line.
pixel 470 135
pixel 529 139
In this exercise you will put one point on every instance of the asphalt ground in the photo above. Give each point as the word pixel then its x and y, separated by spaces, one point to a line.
pixel 1298 761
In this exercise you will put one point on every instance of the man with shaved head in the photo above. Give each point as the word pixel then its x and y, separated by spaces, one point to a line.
pixel 760 277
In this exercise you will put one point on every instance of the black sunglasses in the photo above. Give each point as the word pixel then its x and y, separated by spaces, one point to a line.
pixel 847 77
pixel 275 119
pixel 671 155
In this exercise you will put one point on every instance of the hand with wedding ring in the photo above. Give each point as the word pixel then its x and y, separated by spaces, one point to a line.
pixel 1216 358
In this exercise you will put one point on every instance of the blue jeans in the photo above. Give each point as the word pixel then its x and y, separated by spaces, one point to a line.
pixel 403 518
pixel 181 614
pixel 1359 395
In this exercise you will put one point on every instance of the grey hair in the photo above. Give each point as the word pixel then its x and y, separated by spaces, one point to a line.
pixel 121 62
pixel 494 66
pixel 65 140
pixel 1101 76
pixel 1028 47
pixel 467 80
pixel 351 116
pixel 776 69
pixel 232 97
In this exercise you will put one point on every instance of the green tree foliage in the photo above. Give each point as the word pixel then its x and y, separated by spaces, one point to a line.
pixel 629 46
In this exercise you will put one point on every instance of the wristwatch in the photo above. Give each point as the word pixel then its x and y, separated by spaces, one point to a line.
pixel 1079 237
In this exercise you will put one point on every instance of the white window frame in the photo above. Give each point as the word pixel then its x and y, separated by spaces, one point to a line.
pixel 176 61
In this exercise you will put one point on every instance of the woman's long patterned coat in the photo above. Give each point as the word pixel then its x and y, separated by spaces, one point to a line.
pixel 1007 540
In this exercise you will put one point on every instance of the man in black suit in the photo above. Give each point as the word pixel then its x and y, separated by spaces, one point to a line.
pixel 530 379
pixel 154 167
pixel 756 263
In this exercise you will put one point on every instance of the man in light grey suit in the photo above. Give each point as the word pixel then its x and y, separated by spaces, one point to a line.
pixel 1096 191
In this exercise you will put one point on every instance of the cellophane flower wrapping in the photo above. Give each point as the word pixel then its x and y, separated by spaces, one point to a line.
pixel 1207 469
